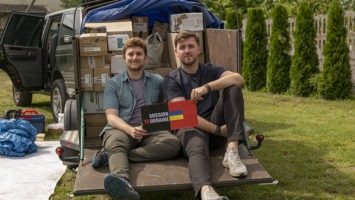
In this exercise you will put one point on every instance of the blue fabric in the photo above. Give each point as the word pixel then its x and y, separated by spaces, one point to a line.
pixel 119 95
pixel 156 10
pixel 17 137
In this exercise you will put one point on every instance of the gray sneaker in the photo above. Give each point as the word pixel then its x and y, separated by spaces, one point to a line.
pixel 232 161
pixel 210 194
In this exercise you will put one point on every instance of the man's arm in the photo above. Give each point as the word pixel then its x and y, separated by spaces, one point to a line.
pixel 226 79
pixel 118 123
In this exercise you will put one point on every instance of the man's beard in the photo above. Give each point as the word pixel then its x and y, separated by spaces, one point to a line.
pixel 189 63
pixel 135 69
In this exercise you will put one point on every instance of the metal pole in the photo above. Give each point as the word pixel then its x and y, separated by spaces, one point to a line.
pixel 29 6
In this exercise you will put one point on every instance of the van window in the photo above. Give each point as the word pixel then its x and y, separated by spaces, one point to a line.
pixel 23 30
pixel 67 27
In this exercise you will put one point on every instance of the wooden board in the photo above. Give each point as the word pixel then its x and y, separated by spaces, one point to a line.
pixel 167 175
pixel 221 46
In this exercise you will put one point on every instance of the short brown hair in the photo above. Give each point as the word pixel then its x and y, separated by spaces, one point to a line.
pixel 184 35
pixel 134 42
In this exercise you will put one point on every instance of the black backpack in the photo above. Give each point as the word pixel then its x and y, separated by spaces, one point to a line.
pixel 12 114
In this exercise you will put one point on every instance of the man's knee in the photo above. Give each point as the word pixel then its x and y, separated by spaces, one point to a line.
pixel 195 142
pixel 234 89
pixel 173 143
pixel 115 139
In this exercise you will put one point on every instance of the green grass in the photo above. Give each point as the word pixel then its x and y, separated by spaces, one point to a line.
pixel 309 148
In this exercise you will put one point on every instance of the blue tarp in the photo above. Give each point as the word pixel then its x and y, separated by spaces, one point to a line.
pixel 156 10
pixel 17 137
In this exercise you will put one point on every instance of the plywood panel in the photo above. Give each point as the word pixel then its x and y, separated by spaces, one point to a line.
pixel 221 48
pixel 168 175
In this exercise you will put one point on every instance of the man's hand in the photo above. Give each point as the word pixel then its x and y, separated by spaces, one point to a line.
pixel 138 132
pixel 198 93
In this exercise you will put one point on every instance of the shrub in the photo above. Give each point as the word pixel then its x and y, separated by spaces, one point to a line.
pixel 305 60
pixel 335 79
pixel 255 50
pixel 279 60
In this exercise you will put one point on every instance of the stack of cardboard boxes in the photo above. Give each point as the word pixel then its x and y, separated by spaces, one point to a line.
pixel 101 57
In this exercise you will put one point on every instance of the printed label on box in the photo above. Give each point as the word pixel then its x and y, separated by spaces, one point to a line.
pixel 88 49
pixel 115 42
pixel 88 80
pixel 140 27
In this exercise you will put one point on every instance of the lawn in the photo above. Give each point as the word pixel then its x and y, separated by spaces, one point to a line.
pixel 309 148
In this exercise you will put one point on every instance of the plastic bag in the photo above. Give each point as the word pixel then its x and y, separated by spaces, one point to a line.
pixel 155 48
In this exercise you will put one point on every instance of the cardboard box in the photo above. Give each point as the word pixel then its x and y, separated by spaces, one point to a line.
pixel 174 60
pixel 93 44
pixel 114 27
pixel 101 76
pixel 115 42
pixel 95 124
pixel 93 131
pixel 90 62
pixel 140 26
pixel 97 119
pixel 93 102
pixel 118 65
pixel 86 77
pixel 186 21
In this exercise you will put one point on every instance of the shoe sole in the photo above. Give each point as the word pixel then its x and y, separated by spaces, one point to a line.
pixel 117 189
pixel 238 175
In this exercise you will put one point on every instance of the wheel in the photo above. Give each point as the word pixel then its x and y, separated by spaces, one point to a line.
pixel 21 98
pixel 58 98
pixel 70 115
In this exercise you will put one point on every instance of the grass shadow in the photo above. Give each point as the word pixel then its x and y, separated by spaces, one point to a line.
pixel 261 126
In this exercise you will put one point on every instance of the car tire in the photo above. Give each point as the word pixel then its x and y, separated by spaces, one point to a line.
pixel 58 98
pixel 21 98
pixel 70 115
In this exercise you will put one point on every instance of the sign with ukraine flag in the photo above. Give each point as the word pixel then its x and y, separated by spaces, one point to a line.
pixel 169 116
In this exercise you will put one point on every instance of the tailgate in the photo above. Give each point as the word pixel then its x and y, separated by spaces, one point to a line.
pixel 168 175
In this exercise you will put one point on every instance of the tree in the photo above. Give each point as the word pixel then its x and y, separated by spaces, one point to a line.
pixel 70 3
pixel 279 60
pixel 305 59
pixel 255 50
pixel 335 79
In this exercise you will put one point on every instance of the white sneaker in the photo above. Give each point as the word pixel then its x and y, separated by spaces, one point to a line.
pixel 210 194
pixel 232 161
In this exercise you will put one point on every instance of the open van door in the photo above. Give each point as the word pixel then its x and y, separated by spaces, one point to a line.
pixel 21 55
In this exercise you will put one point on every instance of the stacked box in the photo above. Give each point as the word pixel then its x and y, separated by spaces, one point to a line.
pixel 186 21
pixel 101 76
pixel 93 44
pixel 117 64
pixel 93 102
pixel 114 27
pixel 140 26
pixel 115 42
pixel 94 124
pixel 87 79
pixel 91 62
